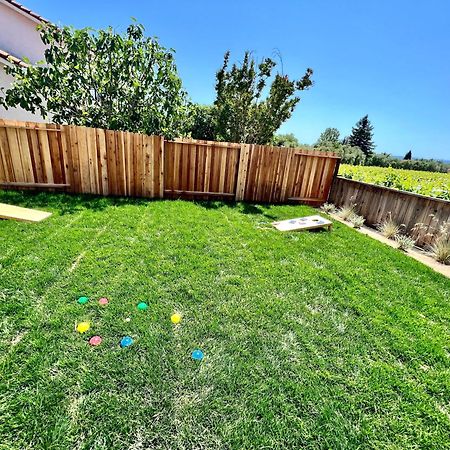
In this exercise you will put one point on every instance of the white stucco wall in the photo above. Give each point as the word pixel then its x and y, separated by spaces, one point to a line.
pixel 18 37
pixel 14 113
pixel 18 34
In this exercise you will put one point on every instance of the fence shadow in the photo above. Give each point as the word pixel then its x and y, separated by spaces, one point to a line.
pixel 65 203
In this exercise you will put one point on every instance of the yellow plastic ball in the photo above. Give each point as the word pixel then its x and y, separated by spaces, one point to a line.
pixel 175 318
pixel 82 327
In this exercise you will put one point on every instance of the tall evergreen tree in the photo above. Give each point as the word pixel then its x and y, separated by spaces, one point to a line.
pixel 362 134
pixel 408 156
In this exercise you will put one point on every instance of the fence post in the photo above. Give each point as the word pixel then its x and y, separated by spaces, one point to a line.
pixel 161 166
pixel 242 171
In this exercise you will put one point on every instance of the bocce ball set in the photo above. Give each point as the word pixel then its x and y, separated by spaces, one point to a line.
pixel 126 341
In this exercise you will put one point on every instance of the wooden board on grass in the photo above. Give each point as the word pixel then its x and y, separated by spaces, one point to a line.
pixel 303 223
pixel 23 214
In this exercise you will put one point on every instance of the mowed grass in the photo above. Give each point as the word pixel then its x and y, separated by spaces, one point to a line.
pixel 311 340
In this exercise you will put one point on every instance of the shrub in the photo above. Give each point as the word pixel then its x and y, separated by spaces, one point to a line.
pixel 404 242
pixel 440 249
pixel 357 221
pixel 388 228
pixel 328 208
pixel 346 211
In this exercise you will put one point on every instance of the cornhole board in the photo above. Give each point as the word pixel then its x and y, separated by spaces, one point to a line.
pixel 23 214
pixel 303 223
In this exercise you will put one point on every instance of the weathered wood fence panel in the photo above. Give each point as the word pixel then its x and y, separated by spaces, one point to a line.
pixel 376 203
pixel 196 169
pixel 106 162
pixel 31 153
pixel 275 174
pixel 113 162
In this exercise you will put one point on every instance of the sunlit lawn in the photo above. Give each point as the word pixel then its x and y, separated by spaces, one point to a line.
pixel 311 340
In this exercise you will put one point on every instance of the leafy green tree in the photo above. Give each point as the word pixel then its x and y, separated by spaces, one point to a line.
pixel 103 79
pixel 408 156
pixel 362 136
pixel 329 136
pixel 203 122
pixel 243 115
pixel 285 140
pixel 349 154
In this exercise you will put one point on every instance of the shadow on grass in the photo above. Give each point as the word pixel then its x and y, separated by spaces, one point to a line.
pixel 72 203
pixel 65 203
pixel 244 208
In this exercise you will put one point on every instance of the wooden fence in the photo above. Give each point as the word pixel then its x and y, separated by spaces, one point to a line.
pixel 376 203
pixel 105 162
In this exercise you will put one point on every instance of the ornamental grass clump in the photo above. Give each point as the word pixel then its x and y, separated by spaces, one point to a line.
pixel 404 242
pixel 357 221
pixel 328 208
pixel 388 228
pixel 440 249
pixel 346 212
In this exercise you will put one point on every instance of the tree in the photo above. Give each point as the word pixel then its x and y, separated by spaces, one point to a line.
pixel 408 156
pixel 285 140
pixel 348 153
pixel 361 136
pixel 242 113
pixel 203 122
pixel 330 135
pixel 103 79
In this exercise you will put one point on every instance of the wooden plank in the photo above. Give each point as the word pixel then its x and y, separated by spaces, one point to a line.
pixel 223 163
pixel 207 175
pixel 154 173
pixel 72 146
pixel 6 156
pixel 102 161
pixel 3 168
pixel 91 143
pixel 273 187
pixel 22 214
pixel 214 177
pixel 176 176
pixel 36 165
pixel 36 126
pixel 33 185
pixel 110 141
pixel 304 176
pixel 83 157
pixel 120 162
pixel 14 150
pixel 184 169
pixel 128 161
pixel 147 149
pixel 178 191
pixel 141 164
pixel 168 164
pixel 46 160
pixel 161 159
pixel 66 156
pixel 55 155
pixel 286 173
pixel 192 166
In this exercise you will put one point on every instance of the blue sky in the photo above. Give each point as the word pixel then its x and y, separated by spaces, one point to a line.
pixel 388 59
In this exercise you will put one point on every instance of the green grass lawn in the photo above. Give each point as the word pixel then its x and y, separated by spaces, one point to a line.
pixel 311 340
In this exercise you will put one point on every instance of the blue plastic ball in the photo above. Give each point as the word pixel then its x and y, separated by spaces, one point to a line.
pixel 126 341
pixel 197 355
